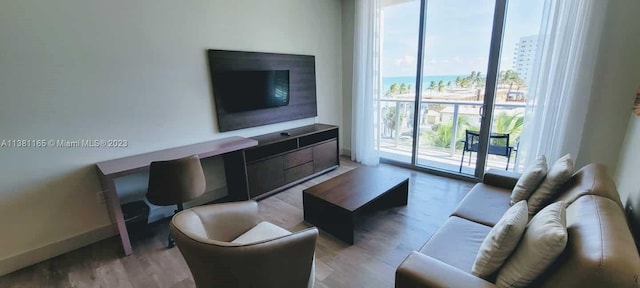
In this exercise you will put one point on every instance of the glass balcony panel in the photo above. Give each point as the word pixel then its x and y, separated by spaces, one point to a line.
pixel 396 129
pixel 437 147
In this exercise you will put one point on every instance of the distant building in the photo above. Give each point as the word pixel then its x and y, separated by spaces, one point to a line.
pixel 525 55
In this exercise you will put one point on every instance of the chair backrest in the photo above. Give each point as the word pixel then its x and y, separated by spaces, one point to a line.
pixel 175 181
pixel 282 262
pixel 592 179
pixel 499 144
pixel 471 141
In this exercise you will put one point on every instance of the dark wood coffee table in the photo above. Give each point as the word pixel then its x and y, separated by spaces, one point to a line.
pixel 334 204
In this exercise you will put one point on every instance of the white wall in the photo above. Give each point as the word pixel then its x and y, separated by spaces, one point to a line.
pixel 134 70
pixel 624 57
pixel 627 177
pixel 616 77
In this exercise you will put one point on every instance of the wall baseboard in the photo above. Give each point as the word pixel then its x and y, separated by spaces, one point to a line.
pixel 345 152
pixel 28 258
pixel 24 259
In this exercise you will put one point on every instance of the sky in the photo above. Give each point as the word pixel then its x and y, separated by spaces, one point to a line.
pixel 458 34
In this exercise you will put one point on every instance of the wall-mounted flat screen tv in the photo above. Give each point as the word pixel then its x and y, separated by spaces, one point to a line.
pixel 245 90
pixel 253 88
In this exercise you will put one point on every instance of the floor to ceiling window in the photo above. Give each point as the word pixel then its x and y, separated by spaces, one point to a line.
pixel 400 28
pixel 438 55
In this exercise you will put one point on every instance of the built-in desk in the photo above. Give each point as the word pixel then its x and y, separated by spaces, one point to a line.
pixel 234 161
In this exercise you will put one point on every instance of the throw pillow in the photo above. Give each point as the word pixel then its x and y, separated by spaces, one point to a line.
pixel 530 180
pixel 559 173
pixel 501 241
pixel 543 241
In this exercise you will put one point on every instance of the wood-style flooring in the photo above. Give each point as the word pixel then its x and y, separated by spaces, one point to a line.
pixel 382 240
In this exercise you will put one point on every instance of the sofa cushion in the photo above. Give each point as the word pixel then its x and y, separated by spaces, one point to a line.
pixel 484 204
pixel 456 243
pixel 501 241
pixel 592 179
pixel 544 239
pixel 530 180
pixel 558 175
pixel 600 252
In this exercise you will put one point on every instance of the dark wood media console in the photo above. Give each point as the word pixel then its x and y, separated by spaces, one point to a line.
pixel 252 172
pixel 285 158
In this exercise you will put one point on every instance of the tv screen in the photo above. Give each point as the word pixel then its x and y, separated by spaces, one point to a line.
pixel 244 90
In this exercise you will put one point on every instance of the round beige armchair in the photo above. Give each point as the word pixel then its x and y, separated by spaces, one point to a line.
pixel 224 245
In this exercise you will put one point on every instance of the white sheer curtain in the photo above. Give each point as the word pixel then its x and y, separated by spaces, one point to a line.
pixel 366 82
pixel 560 88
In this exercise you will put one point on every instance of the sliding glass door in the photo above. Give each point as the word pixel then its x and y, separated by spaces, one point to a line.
pixel 520 55
pixel 456 50
pixel 452 101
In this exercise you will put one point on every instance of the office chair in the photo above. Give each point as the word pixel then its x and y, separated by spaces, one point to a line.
pixel 174 182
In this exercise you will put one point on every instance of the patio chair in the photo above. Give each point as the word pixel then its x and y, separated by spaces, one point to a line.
pixel 498 145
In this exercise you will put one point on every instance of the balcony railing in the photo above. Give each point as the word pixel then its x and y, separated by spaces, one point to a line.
pixel 396 126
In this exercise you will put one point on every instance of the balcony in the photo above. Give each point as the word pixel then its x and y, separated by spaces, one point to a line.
pixel 442 130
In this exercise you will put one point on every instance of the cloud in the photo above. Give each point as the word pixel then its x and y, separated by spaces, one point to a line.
pixel 435 61
pixel 405 60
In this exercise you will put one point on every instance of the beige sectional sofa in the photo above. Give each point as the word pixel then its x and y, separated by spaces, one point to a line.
pixel 600 251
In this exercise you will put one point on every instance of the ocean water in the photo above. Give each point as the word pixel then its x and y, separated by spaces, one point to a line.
pixel 411 80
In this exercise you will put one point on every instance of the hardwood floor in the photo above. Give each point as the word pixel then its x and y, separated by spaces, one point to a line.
pixel 382 240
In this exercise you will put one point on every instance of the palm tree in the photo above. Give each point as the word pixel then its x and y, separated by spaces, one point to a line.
pixel 475 79
pixel 509 124
pixel 394 89
pixel 432 85
pixel 472 76
pixel 479 80
pixel 458 81
pixel 390 120
pixel 440 85
pixel 403 88
pixel 464 83
pixel 510 77
pixel 441 135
